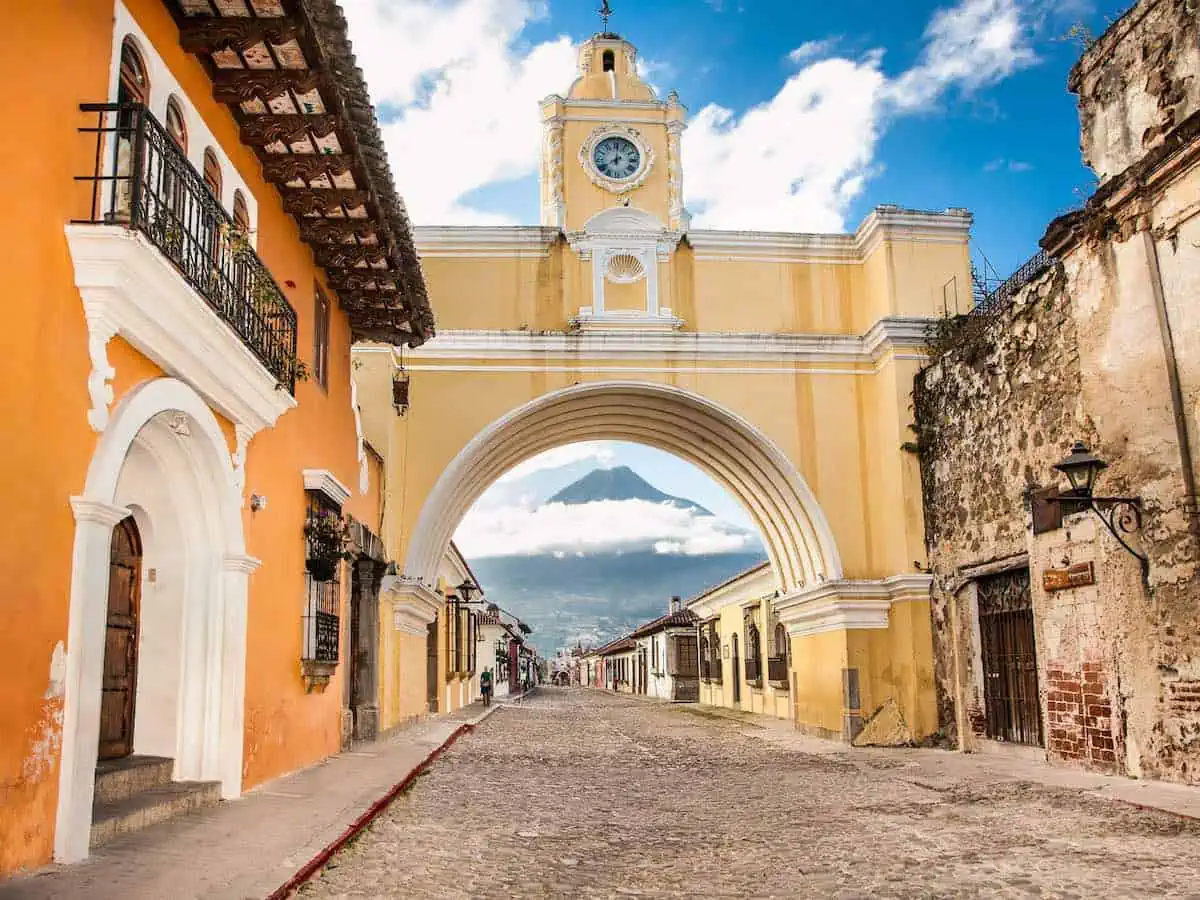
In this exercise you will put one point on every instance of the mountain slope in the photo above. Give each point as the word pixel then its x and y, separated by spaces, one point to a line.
pixel 598 597
pixel 619 483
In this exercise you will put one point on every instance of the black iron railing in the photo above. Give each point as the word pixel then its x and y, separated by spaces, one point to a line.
pixel 777 669
pixel 142 180
pixel 753 670
pixel 322 622
pixel 994 300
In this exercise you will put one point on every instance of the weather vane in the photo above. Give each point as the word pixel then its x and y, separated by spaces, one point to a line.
pixel 605 12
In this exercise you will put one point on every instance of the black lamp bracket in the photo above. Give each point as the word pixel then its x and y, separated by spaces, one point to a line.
pixel 1122 516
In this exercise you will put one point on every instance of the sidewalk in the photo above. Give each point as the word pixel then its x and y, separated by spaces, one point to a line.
pixel 247 848
pixel 943 769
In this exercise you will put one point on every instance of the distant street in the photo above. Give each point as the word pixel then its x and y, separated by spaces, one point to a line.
pixel 578 793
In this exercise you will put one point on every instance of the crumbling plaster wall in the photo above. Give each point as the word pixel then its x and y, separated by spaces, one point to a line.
pixel 1137 82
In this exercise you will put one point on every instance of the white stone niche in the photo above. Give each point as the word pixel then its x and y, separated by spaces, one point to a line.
pixel 625 246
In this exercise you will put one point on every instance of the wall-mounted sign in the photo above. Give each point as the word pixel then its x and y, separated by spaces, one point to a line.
pixel 1079 575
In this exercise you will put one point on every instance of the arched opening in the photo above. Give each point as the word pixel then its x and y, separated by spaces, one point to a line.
pixel 797 538
pixel 609 61
pixel 176 124
pixel 241 215
pixel 162 470
pixel 134 84
pixel 212 173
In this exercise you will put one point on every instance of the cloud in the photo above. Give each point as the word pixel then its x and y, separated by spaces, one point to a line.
pixel 599 452
pixel 605 526
pixel 813 49
pixel 458 91
pixel 798 160
pixel 970 46
pixel 1009 165
pixel 464 93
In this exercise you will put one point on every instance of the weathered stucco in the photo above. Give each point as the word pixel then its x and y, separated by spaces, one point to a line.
pixel 1104 347
pixel 1137 82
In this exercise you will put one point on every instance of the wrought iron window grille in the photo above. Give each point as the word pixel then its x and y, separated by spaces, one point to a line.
pixel 142 180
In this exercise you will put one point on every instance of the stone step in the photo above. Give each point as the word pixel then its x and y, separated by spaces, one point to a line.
pixel 119 779
pixel 111 820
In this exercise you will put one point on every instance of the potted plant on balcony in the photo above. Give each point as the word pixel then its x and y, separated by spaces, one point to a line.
pixel 326 532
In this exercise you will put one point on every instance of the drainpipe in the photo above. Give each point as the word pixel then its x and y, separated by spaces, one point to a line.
pixel 1181 430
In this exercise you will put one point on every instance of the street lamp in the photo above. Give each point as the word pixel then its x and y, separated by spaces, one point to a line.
pixel 1120 515
pixel 1081 467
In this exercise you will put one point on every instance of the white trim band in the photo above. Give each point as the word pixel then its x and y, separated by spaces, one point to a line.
pixel 325 482
pixel 845 604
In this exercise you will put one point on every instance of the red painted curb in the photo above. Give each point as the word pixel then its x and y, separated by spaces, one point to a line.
pixel 310 868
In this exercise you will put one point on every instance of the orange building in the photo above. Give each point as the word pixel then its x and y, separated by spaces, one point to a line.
pixel 199 221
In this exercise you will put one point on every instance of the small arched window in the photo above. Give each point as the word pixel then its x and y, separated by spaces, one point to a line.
pixel 212 173
pixel 609 61
pixel 241 215
pixel 134 84
pixel 176 126
pixel 781 641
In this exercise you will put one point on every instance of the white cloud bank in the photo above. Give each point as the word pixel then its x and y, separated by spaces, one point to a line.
pixel 465 88
pixel 605 526
pixel 599 453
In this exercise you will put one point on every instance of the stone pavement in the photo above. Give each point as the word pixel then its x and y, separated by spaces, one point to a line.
pixel 250 846
pixel 578 793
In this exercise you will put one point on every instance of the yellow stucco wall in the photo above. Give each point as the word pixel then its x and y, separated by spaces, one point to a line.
pixel 402 686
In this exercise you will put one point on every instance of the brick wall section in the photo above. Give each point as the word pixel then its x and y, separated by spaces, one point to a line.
pixel 1079 717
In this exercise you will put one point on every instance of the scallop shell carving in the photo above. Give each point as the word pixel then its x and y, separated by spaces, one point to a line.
pixel 625 268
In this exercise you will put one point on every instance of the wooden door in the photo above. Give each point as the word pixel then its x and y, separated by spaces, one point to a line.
pixel 1010 680
pixel 119 688
pixel 432 676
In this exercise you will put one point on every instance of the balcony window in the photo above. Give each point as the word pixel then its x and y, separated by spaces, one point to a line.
pixel 143 180
pixel 134 85
pixel 176 126
pixel 212 174
pixel 241 216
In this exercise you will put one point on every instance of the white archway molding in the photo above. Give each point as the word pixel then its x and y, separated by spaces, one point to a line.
pixel 737 455
pixel 164 457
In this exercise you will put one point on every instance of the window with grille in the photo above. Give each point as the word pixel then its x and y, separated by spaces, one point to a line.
pixel 753 653
pixel 320 366
pixel 322 605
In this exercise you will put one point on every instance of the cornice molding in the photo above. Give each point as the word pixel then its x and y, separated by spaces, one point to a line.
pixel 414 604
pixel 440 241
pixel 96 512
pixel 883 223
pixel 887 336
pixel 325 482
pixel 845 604
pixel 130 289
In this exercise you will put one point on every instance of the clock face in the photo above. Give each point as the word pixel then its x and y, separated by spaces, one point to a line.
pixel 617 158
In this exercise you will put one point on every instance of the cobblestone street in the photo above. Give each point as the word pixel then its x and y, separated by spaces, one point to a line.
pixel 581 793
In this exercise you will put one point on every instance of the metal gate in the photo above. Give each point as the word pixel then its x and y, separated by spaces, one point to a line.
pixel 1010 681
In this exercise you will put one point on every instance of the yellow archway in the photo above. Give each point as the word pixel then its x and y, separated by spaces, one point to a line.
pixel 799 541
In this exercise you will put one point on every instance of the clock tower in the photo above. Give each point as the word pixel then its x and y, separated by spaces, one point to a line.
pixel 612 180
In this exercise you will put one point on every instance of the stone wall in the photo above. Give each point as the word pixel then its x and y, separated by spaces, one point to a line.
pixel 1105 348
pixel 1137 82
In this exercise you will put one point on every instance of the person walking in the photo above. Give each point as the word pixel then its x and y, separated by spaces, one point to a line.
pixel 485 686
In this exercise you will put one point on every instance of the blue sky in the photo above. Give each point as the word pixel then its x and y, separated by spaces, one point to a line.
pixel 925 104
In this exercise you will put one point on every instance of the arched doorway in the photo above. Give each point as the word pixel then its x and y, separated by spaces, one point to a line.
pixel 119 690
pixel 733 452
pixel 161 491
